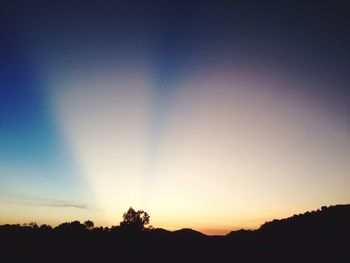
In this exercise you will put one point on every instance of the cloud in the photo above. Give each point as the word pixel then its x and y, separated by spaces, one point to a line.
pixel 17 199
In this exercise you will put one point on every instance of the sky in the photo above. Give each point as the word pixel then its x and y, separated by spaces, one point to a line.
pixel 209 115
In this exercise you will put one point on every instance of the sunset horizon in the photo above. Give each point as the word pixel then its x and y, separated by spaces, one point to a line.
pixel 211 231
pixel 210 116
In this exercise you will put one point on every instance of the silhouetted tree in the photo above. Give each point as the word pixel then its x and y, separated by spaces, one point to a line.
pixel 74 226
pixel 89 224
pixel 135 220
pixel 45 227
pixel 31 225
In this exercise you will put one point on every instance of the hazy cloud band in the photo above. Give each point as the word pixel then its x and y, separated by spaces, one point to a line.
pixel 38 201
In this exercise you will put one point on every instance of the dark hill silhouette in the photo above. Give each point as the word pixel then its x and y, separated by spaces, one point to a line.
pixel 318 236
pixel 187 232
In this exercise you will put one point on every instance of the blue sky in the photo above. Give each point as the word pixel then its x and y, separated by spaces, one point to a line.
pixel 32 151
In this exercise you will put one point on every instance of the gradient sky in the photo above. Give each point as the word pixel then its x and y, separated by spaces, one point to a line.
pixel 214 116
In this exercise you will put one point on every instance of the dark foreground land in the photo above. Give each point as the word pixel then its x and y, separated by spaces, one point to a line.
pixel 318 236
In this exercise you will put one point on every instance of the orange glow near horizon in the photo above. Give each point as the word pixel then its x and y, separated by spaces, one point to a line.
pixel 208 224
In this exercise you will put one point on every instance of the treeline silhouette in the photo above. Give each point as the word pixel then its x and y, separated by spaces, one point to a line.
pixel 317 236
